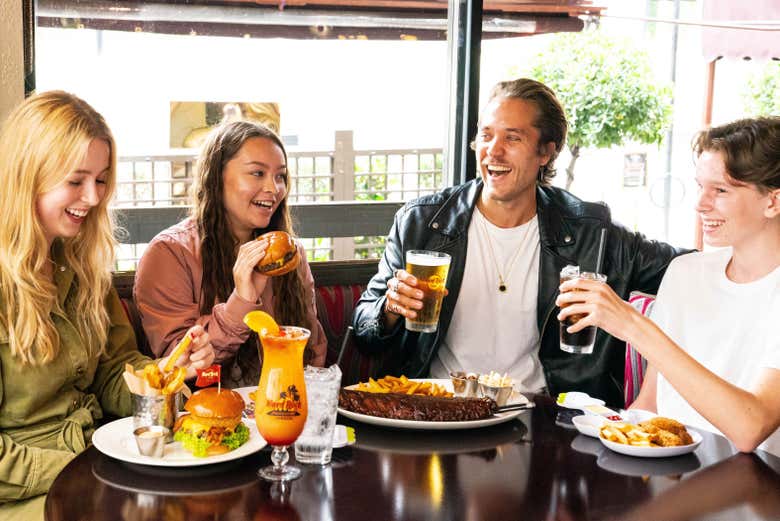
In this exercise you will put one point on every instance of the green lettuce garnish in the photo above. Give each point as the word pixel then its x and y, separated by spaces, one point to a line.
pixel 199 445
pixel 238 438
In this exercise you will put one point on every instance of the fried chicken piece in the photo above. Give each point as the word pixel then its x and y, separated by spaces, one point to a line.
pixel 668 439
pixel 667 432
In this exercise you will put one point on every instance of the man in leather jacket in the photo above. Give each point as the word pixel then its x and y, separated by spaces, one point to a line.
pixel 509 234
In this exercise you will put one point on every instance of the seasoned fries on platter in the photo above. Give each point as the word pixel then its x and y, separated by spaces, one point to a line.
pixel 401 384
pixel 656 432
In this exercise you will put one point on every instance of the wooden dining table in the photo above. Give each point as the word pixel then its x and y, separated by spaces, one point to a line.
pixel 535 467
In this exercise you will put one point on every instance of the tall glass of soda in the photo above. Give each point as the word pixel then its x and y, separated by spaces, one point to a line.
pixel 581 342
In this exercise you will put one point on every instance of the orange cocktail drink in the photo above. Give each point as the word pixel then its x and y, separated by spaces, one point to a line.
pixel 280 401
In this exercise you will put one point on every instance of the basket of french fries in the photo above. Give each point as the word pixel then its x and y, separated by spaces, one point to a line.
pixel 155 391
pixel 656 437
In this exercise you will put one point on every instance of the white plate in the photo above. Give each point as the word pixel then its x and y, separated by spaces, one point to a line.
pixel 589 424
pixel 654 452
pixel 116 439
pixel 577 400
pixel 500 417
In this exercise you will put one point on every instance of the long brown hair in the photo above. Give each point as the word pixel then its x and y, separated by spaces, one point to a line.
pixel 218 245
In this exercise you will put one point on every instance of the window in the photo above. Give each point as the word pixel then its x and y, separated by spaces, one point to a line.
pixel 363 97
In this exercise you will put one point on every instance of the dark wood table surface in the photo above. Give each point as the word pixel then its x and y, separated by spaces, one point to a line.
pixel 527 469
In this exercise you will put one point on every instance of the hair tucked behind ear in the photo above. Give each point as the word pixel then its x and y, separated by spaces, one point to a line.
pixel 218 245
pixel 44 139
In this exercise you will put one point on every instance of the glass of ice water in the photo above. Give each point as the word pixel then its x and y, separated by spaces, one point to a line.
pixel 315 444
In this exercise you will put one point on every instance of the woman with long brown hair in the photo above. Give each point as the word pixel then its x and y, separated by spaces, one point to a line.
pixel 202 270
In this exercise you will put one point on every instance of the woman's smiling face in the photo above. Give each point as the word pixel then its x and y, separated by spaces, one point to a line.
pixel 255 183
pixel 65 207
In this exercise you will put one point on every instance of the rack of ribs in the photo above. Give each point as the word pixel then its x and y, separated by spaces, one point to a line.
pixel 416 407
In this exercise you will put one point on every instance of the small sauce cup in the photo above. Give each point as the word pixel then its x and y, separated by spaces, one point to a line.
pixel 500 394
pixel 151 440
pixel 464 384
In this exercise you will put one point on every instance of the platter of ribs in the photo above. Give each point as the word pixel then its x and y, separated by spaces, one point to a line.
pixel 412 411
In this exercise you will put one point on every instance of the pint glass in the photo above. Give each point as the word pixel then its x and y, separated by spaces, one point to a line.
pixel 430 269
pixel 581 342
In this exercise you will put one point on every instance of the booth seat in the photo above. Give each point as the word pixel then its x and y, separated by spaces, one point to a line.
pixel 336 296
pixel 636 365
pixel 337 292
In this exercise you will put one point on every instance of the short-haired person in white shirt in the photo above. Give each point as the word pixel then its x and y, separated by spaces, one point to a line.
pixel 713 345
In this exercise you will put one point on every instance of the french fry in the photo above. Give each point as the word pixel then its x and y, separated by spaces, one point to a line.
pixel 154 376
pixel 177 352
pixel 174 380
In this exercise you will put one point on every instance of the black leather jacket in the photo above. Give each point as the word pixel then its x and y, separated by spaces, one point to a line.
pixel 569 233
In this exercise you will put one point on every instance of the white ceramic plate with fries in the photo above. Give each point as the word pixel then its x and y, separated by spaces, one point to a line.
pixel 589 424
pixel 116 440
pixel 649 452
pixel 446 385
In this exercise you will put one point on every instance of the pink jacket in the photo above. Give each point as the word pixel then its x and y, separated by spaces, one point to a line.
pixel 167 289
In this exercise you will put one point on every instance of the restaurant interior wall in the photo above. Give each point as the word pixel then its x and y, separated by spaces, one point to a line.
pixel 11 56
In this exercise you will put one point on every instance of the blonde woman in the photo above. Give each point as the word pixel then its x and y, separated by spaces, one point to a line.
pixel 64 339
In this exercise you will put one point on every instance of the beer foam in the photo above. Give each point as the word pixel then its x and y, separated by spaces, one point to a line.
pixel 422 259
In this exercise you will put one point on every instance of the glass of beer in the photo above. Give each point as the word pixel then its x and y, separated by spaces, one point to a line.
pixel 430 268
pixel 581 342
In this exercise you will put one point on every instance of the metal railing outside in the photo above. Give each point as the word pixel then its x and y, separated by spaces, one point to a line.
pixel 342 174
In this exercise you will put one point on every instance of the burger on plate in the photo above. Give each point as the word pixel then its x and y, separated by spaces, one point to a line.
pixel 213 425
pixel 281 256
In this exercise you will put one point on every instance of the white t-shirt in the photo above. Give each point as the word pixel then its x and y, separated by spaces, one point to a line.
pixel 730 328
pixel 493 330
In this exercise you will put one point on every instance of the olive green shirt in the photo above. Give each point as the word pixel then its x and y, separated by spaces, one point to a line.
pixel 49 412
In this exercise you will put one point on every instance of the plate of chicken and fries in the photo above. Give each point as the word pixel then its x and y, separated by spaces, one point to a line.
pixel 423 403
pixel 658 437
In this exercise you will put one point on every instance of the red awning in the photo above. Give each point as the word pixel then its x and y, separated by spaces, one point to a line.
pixel 741 43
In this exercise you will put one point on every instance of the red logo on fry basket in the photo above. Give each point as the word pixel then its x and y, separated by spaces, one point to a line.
pixel 209 376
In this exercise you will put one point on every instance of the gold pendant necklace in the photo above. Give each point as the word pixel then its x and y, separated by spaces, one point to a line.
pixel 502 287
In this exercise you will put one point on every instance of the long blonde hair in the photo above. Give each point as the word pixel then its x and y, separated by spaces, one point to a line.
pixel 43 140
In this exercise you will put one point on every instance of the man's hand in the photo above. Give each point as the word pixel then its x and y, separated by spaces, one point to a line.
pixel 402 298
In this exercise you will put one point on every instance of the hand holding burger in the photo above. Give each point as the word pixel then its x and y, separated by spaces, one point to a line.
pixel 213 425
pixel 281 255
pixel 271 254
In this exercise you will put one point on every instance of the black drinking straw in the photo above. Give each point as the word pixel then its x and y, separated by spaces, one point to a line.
pixel 602 244
pixel 344 345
